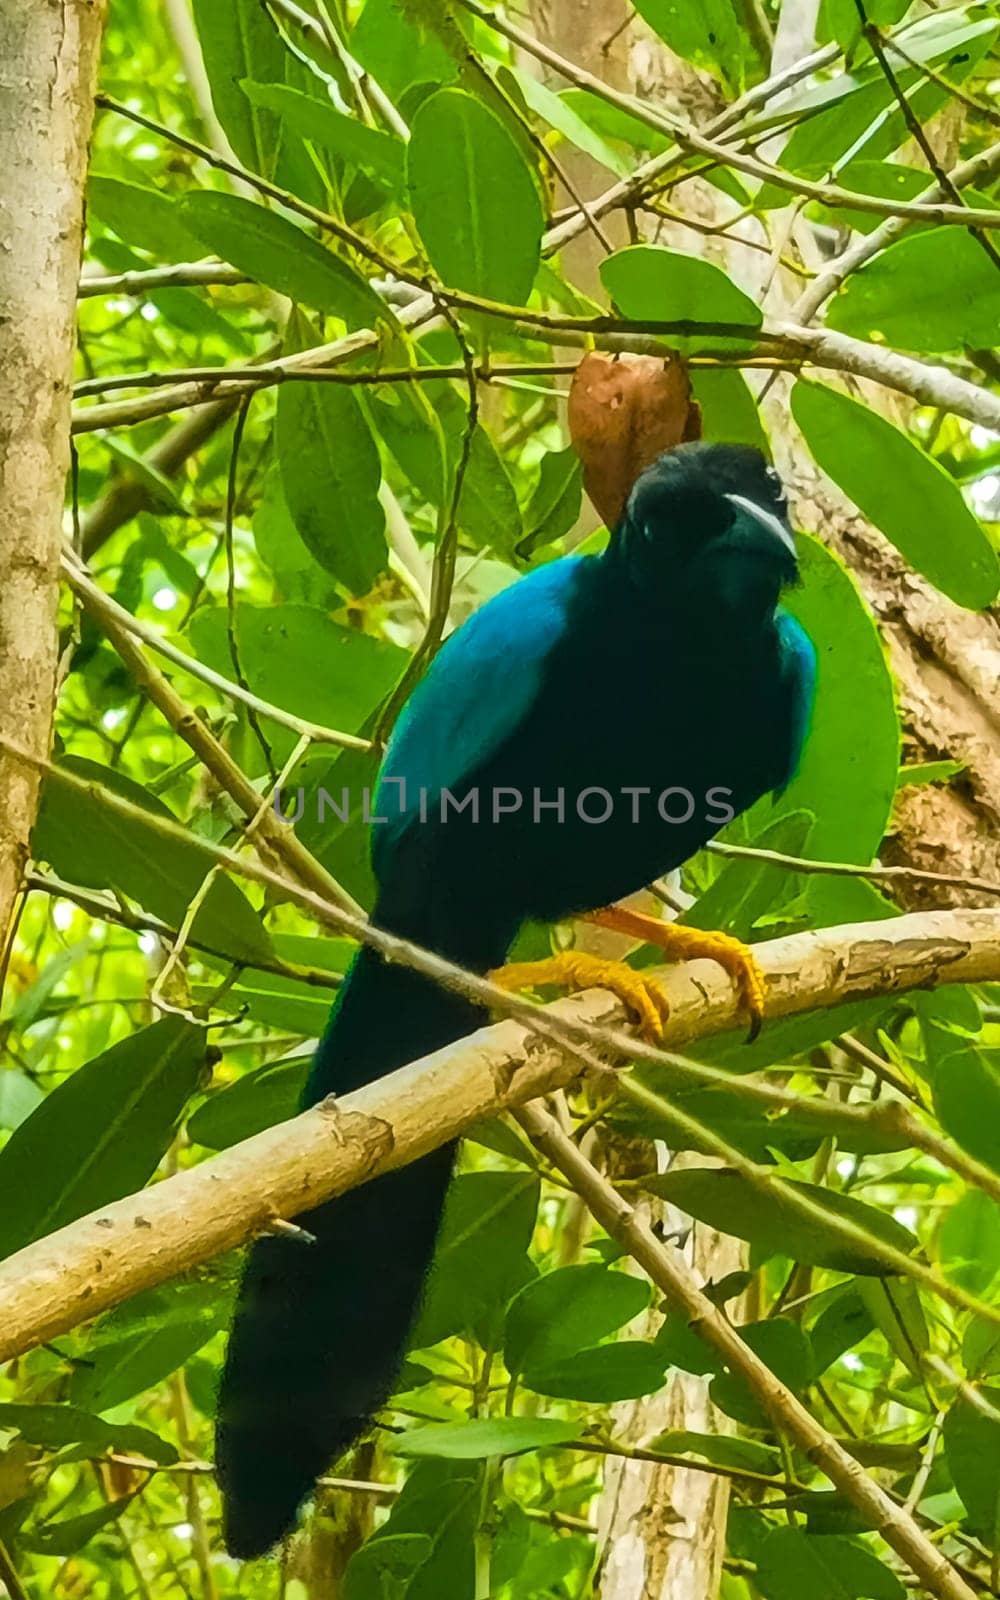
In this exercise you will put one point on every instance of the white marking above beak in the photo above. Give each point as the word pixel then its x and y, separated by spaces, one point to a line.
pixel 767 519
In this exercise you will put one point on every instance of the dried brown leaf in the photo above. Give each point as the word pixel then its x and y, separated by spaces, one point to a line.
pixel 624 411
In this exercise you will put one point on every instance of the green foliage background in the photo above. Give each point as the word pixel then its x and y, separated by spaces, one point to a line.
pixel 414 153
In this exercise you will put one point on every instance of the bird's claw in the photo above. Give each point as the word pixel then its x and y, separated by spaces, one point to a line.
pixel 681 943
pixel 641 996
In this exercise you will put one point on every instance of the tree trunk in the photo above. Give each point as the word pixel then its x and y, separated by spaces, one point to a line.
pixel 48 65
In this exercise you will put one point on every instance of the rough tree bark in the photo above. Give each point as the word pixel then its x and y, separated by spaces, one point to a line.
pixel 662 1529
pixel 48 65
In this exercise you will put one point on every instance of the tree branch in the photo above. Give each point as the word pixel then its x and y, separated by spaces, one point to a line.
pixel 668 1270
pixel 784 342
pixel 151 1237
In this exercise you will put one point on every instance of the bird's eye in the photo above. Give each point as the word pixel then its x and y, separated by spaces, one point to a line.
pixel 775 478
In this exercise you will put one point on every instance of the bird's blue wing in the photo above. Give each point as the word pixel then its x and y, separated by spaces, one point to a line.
pixel 478 689
pixel 798 672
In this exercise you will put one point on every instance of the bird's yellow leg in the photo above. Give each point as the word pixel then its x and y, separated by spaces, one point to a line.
pixel 576 969
pixel 693 944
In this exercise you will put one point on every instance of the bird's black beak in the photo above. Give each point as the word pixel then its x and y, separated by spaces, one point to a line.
pixel 767 519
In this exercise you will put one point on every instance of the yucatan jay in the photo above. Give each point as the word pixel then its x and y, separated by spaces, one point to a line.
pixel 663 664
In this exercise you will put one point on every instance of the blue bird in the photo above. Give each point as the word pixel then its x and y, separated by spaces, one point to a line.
pixel 587 730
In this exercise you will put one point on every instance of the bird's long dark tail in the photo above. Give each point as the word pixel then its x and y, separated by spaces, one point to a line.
pixel 320 1329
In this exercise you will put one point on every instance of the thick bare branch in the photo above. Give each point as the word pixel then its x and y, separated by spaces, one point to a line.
pixel 150 1237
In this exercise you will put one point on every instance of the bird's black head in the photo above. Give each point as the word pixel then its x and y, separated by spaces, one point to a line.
pixel 707 526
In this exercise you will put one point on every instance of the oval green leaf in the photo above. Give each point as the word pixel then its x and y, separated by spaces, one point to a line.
pixel 101 1134
pixel 728 1201
pixel 901 490
pixel 143 217
pixel 474 199
pixel 568 1310
pixel 272 250
pixel 933 291
pixel 650 284
pixel 380 154
pixel 330 474
pixel 87 843
pixel 493 1436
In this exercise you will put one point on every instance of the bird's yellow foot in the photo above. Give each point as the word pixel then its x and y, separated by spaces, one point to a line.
pixel 693 944
pixel 576 969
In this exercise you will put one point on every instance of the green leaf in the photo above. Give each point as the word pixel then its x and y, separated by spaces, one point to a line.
pixel 782 1346
pixel 729 412
pixel 88 844
pixel 902 490
pixel 969 1241
pixel 143 217
pixel 707 33
pixel 19 1097
pixel 383 1564
pixel 889 180
pixel 967 1100
pixel 972 1450
pixel 238 41
pixel 141 1342
pixel 330 474
pixel 933 39
pixel 481 1258
pixel 933 291
pixel 297 573
pixel 381 155
pixel 561 115
pixel 742 1123
pixel 254 1102
pixel 894 1307
pixel 840 1325
pixel 279 647
pixel 847 776
pixel 69 1534
pixel 789 1037
pixel 441 1502
pixel 981 1348
pixel 53 1427
pixel 272 250
pixel 744 890
pixel 792 1563
pixel 478 1439
pixel 398 51
pixel 410 428
pixel 929 772
pixel 567 1310
pixel 650 284
pixel 277 1002
pixel 487 507
pixel 728 1201
pixel 555 504
pixel 613 122
pixel 603 1375
pixel 101 1134
pixel 720 1448
pixel 474 199
pixel 844 21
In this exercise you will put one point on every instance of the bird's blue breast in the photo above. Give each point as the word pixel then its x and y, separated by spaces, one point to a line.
pixel 569 684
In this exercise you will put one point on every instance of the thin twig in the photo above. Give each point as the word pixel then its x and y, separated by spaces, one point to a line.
pixel 845 869
pixel 669 1272
pixel 120 915
pixel 232 629
pixel 690 139
pixel 915 127
pixel 110 614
